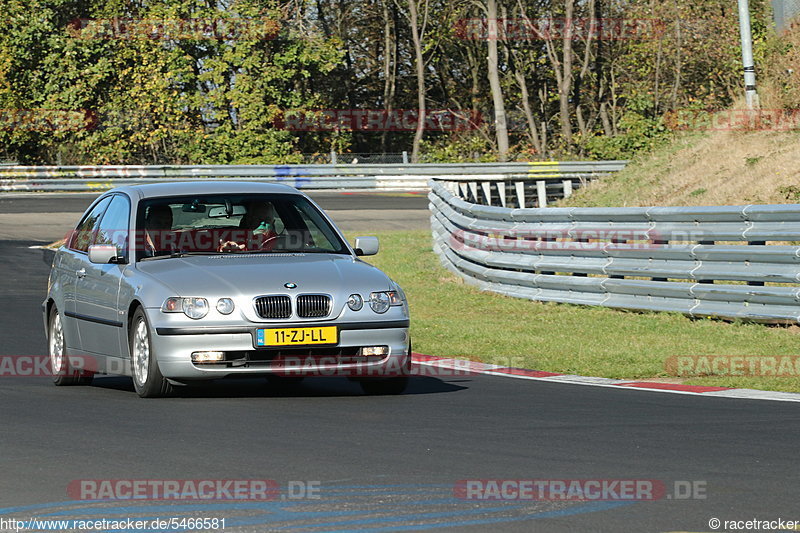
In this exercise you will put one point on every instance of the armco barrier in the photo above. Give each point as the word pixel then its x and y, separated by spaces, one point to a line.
pixel 736 262
pixel 558 178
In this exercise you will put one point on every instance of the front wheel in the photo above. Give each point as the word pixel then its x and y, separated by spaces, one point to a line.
pixel 63 372
pixel 393 385
pixel 278 380
pixel 147 378
pixel 384 386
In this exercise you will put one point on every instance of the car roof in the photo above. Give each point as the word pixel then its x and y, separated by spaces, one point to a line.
pixel 185 188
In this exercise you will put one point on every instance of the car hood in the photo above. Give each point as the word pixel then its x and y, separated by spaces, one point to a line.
pixel 250 275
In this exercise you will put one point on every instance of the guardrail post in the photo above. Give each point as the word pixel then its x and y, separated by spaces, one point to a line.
pixel 333 157
pixel 548 272
pixel 581 274
pixel 567 188
pixel 473 188
pixel 706 281
pixel 487 191
pixel 501 191
pixel 541 192
pixel 405 157
pixel 658 242
pixel 756 283
pixel 520 187
pixel 619 241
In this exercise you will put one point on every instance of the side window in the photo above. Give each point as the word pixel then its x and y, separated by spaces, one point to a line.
pixel 83 235
pixel 318 233
pixel 113 227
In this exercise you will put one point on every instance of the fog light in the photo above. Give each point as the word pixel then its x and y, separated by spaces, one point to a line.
pixel 375 350
pixel 225 306
pixel 355 302
pixel 208 357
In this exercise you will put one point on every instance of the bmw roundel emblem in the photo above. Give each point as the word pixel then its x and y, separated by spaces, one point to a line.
pixel 290 285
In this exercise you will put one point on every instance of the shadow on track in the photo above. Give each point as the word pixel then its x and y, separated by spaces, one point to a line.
pixel 259 388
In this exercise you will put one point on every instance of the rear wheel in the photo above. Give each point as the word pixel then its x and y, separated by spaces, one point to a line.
pixel 63 372
pixel 147 378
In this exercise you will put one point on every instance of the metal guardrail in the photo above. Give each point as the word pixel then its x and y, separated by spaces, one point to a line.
pixel 356 176
pixel 734 262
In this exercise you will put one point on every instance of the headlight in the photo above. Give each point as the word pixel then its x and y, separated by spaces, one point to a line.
pixel 381 301
pixel 225 306
pixel 355 302
pixel 195 308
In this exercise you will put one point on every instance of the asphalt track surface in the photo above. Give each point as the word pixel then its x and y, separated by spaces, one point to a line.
pixel 78 202
pixel 49 217
pixel 381 463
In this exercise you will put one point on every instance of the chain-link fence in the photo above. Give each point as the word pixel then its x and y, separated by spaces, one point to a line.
pixel 785 11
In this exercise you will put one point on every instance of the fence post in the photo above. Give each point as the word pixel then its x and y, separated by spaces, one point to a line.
pixel 333 157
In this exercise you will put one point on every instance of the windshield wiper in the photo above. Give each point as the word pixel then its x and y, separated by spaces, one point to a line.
pixel 179 253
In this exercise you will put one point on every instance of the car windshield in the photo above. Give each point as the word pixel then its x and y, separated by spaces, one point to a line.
pixel 217 224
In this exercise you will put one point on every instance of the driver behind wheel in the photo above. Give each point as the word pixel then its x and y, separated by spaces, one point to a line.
pixel 259 222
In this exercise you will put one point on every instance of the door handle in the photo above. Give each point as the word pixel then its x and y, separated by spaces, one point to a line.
pixel 81 273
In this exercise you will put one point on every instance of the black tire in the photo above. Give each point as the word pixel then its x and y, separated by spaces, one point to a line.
pixel 383 387
pixel 64 373
pixel 278 381
pixel 147 378
pixel 388 386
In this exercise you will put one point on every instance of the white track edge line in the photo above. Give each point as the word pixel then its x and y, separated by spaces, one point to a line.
pixel 731 393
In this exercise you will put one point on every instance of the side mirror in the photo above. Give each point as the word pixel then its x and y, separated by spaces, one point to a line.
pixel 103 253
pixel 366 245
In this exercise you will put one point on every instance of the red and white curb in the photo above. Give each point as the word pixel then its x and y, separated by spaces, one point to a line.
pixel 452 367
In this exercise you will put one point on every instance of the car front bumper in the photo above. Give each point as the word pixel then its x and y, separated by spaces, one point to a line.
pixel 174 347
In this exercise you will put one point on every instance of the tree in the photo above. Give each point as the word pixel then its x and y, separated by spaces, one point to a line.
pixel 500 124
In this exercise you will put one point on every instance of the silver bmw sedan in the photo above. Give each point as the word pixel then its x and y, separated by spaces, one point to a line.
pixel 178 282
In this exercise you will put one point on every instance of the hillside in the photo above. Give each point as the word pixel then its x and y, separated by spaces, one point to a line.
pixel 714 168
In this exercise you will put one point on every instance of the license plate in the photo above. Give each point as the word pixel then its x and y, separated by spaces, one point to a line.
pixel 297 336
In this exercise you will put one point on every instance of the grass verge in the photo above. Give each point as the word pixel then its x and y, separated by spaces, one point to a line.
pixel 704 168
pixel 452 319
